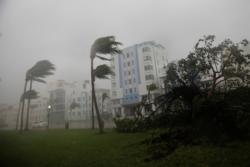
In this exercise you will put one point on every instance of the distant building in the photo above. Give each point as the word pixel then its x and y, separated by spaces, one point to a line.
pixel 137 67
pixel 8 116
pixel 39 112
pixel 71 104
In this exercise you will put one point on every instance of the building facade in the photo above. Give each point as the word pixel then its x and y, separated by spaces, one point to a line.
pixel 137 67
pixel 71 104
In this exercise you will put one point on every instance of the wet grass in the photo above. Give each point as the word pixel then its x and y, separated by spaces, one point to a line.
pixel 85 148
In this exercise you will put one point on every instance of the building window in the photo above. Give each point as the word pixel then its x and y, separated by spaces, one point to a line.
pixel 146 49
pixel 147 58
pixel 125 73
pixel 130 90
pixel 149 77
pixel 127 55
pixel 129 73
pixel 134 80
pixel 128 64
pixel 125 82
pixel 148 67
pixel 129 81
pixel 134 89
pixel 132 62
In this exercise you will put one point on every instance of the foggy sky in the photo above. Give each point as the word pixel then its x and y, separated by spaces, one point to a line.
pixel 62 31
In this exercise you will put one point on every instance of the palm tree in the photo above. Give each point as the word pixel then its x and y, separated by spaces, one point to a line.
pixel 104 96
pixel 105 45
pixel 33 95
pixel 23 100
pixel 39 71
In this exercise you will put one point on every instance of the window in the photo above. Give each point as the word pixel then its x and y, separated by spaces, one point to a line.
pixel 134 80
pixel 113 84
pixel 127 55
pixel 149 77
pixel 147 58
pixel 129 81
pixel 124 64
pixel 146 49
pixel 129 73
pixel 125 82
pixel 132 62
pixel 148 67
pixel 125 73
pixel 130 90
pixel 134 89
pixel 128 64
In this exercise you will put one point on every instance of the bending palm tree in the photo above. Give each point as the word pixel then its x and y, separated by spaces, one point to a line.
pixel 40 70
pixel 104 45
pixel 33 95
pixel 23 100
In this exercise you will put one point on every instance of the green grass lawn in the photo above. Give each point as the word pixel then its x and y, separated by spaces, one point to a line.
pixel 85 148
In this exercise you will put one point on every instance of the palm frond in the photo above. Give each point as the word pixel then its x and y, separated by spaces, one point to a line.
pixel 102 71
pixel 103 58
pixel 39 80
pixel 41 69
pixel 32 94
pixel 106 45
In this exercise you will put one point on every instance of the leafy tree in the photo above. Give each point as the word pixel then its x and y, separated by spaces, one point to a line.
pixel 217 63
pixel 74 105
pixel 101 46
pixel 223 61
pixel 104 96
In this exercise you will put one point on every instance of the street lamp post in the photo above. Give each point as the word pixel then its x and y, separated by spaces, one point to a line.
pixel 48 114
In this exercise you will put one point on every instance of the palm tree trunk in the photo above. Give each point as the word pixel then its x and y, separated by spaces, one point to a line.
pixel 100 123
pixel 28 109
pixel 18 114
pixel 23 104
pixel 92 112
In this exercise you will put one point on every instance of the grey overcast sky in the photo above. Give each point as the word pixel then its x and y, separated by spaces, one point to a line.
pixel 62 31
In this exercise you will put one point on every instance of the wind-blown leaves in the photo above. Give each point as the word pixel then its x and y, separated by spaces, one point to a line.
pixel 102 71
pixel 106 45
pixel 41 69
pixel 32 94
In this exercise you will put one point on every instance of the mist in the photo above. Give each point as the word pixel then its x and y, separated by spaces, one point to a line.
pixel 63 31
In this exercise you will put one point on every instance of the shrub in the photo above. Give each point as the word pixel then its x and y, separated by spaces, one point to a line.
pixel 129 125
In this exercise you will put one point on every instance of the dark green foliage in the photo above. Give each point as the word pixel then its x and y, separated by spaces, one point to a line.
pixel 164 143
pixel 102 71
pixel 130 125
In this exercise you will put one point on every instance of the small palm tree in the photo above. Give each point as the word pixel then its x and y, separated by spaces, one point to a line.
pixel 101 46
pixel 104 96
pixel 32 94
pixel 39 71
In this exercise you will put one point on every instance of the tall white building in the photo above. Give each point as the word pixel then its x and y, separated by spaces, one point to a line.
pixel 137 67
